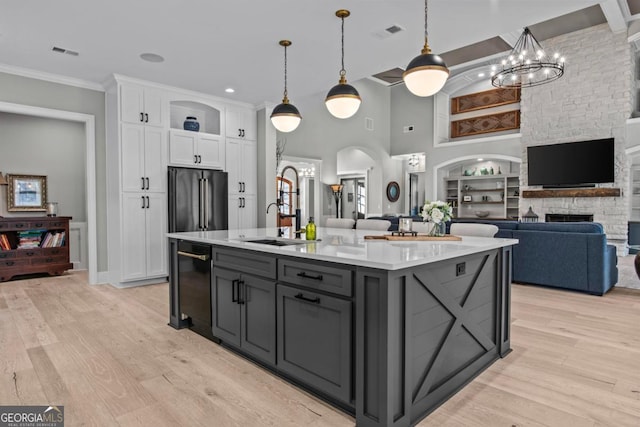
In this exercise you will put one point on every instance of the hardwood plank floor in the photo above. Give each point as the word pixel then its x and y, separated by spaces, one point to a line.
pixel 109 357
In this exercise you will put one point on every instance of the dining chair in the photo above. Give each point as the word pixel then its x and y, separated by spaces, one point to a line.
pixel 340 222
pixel 469 229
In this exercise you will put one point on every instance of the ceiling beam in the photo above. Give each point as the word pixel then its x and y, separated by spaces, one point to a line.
pixel 614 14
pixel 512 37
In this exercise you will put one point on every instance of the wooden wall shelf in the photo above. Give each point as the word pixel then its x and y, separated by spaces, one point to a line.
pixel 573 192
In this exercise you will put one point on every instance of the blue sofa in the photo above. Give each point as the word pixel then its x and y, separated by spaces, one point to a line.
pixel 569 255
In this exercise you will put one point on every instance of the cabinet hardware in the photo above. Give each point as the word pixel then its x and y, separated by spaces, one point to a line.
pixel 243 204
pixel 201 257
pixel 9 263
pixel 148 203
pixel 243 190
pixel 39 224
pixel 240 187
pixel 239 202
pixel 147 179
pixel 142 201
pixel 239 132
pixel 306 276
pixel 30 253
pixel 315 300
pixel 142 117
pixel 234 290
pixel 146 117
pixel 242 290
pixel 199 158
pixel 19 225
pixel 142 178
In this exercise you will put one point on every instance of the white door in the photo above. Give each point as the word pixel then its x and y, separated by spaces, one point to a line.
pixel 241 123
pixel 156 227
pixel 155 160
pixel 133 158
pixel 132 104
pixel 249 167
pixel 154 109
pixel 182 148
pixel 234 162
pixel 133 251
pixel 249 212
pixel 211 150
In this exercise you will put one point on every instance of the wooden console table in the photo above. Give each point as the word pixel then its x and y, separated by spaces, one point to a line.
pixel 47 253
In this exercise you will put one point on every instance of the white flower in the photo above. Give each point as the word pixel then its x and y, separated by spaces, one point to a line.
pixel 436 215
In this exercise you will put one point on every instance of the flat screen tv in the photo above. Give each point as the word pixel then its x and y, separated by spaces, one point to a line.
pixel 573 164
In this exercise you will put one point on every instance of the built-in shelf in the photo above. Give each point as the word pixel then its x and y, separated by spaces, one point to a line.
pixel 573 192
pixel 483 203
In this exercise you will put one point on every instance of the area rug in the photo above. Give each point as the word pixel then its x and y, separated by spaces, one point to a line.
pixel 627 277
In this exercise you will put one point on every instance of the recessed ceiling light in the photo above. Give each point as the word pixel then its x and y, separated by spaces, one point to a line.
pixel 481 75
pixel 229 90
pixel 480 160
pixel 152 57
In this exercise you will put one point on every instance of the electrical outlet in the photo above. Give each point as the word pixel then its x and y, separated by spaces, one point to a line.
pixel 408 129
pixel 460 269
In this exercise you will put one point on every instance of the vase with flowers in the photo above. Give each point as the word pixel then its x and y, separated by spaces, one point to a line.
pixel 437 213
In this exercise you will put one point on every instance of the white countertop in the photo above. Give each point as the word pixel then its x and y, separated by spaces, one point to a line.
pixel 349 246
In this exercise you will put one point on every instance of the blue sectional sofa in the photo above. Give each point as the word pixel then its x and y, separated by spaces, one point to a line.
pixel 569 255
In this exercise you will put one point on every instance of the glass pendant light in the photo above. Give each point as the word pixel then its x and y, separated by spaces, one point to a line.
pixel 427 73
pixel 285 117
pixel 343 100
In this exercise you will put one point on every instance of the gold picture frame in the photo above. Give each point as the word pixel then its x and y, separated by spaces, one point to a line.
pixel 27 193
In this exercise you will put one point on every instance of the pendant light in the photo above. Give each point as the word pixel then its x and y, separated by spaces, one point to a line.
pixel 285 117
pixel 343 100
pixel 427 73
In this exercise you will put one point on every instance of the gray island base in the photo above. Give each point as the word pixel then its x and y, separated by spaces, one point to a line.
pixel 387 331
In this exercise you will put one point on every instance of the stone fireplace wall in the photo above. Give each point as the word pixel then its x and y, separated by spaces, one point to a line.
pixel 592 100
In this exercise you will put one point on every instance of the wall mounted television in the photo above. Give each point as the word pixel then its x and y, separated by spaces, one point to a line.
pixel 572 164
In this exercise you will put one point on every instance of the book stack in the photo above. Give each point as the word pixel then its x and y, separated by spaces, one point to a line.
pixel 4 243
pixel 29 239
pixel 53 239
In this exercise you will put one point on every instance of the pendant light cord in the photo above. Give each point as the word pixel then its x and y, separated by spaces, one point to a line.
pixel 285 100
pixel 343 72
pixel 426 49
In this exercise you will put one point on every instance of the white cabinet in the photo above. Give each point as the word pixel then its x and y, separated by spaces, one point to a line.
pixel 144 247
pixel 194 149
pixel 142 105
pixel 242 211
pixel 242 162
pixel 241 123
pixel 143 158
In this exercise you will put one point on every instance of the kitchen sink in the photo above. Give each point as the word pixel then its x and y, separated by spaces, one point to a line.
pixel 276 242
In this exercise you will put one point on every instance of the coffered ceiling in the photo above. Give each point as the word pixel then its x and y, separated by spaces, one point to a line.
pixel 209 46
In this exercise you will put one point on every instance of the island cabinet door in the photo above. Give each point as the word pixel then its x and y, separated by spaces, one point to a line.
pixel 257 300
pixel 225 310
pixel 315 340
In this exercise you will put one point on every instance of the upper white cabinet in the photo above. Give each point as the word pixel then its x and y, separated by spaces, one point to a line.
pixel 241 123
pixel 143 159
pixel 242 162
pixel 194 149
pixel 142 105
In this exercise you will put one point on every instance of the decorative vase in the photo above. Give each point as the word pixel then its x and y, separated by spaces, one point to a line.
pixel 191 123
pixel 438 230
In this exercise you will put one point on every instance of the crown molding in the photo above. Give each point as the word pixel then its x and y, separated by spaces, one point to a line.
pixel 50 77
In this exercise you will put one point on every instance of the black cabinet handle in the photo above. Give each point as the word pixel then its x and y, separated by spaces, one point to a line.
pixel 240 187
pixel 142 178
pixel 146 117
pixel 148 203
pixel 142 201
pixel 195 158
pixel 199 158
pixel 147 179
pixel 315 300
pixel 30 253
pixel 142 117
pixel 306 276
pixel 239 132
pixel 39 224
pixel 9 263
pixel 241 292
pixel 234 290
pixel 243 189
pixel 19 225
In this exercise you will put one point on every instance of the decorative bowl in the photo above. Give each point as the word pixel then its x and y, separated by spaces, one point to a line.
pixel 482 214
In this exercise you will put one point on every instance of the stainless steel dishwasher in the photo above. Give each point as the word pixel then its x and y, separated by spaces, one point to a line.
pixel 194 286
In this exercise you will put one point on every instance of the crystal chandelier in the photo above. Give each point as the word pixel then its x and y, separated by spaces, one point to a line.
pixel 527 65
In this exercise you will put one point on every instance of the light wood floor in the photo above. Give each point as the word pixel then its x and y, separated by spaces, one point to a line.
pixel 109 357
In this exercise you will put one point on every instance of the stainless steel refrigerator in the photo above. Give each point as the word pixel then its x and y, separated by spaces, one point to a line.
pixel 198 200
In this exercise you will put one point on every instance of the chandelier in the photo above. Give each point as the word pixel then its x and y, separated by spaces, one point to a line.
pixel 527 65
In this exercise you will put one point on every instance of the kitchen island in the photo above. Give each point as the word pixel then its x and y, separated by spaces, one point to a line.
pixel 386 330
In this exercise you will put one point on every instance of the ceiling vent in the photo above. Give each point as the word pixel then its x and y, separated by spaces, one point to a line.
pixel 67 51
pixel 390 77
pixel 388 32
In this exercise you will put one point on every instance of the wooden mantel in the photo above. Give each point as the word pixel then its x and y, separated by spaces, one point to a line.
pixel 572 192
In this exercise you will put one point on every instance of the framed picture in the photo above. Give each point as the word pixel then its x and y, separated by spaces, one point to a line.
pixel 393 191
pixel 26 193
pixel 466 198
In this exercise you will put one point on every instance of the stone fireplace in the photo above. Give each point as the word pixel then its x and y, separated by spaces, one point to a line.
pixel 568 218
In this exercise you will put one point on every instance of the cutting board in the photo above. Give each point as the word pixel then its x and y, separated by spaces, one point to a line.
pixel 422 237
